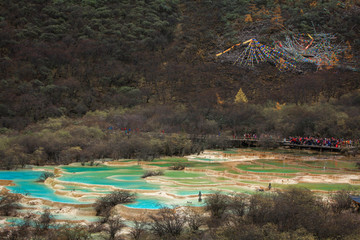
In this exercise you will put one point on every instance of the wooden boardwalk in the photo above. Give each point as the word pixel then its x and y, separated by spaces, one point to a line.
pixel 254 142
pixel 270 142
pixel 288 144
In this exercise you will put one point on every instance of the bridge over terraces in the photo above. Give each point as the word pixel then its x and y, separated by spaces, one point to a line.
pixel 231 141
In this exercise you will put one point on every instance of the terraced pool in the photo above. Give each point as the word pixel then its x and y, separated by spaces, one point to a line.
pixel 26 184
pixel 84 184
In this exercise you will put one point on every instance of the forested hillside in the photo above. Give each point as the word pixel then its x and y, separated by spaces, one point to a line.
pixel 67 58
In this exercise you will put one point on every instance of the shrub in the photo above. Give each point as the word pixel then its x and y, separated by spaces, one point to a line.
pixel 260 208
pixel 138 230
pixel 115 224
pixel 268 143
pixel 194 219
pixel 73 232
pixel 44 176
pixel 103 205
pixel 152 173
pixel 297 207
pixel 217 204
pixel 167 223
pixel 238 205
pixel 177 166
pixel 341 201
pixel 9 203
pixel 357 164
pixel 43 223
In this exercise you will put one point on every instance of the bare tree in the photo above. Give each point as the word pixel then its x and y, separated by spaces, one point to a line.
pixel 9 203
pixel 138 230
pixel 114 225
pixel 341 201
pixel 194 219
pixel 104 204
pixel 43 223
pixel 167 223
pixel 217 204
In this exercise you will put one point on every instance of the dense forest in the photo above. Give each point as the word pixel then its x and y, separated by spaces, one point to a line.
pixel 70 70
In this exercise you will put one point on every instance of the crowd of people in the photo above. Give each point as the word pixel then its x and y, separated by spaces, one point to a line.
pixel 312 141
pixel 330 142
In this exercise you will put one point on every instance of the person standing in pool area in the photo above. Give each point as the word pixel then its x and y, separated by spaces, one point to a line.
pixel 200 200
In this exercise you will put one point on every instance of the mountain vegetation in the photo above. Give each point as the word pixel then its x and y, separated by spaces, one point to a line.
pixel 102 78
pixel 96 79
pixel 66 58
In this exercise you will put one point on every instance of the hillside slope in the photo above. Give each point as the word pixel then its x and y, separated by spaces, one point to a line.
pixel 70 57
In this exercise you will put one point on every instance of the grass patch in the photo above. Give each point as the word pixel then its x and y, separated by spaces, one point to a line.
pixel 222 179
pixel 282 164
pixel 170 159
pixel 195 181
pixel 181 174
pixel 202 165
pixel 211 160
pixel 237 189
pixel 161 164
pixel 328 186
pixel 281 176
pixel 221 169
pixel 252 182
pixel 332 164
pixel 231 152
pixel 324 172
pixel 234 172
pixel 264 169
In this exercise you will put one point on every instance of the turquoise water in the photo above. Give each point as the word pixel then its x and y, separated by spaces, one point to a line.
pixel 75 169
pixel 148 203
pixel 125 177
pixel 210 160
pixel 84 189
pixel 26 184
pixel 193 192
pixel 120 177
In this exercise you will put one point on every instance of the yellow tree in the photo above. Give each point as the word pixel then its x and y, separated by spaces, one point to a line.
pixel 279 106
pixel 240 97
pixel 219 100
pixel 248 18
pixel 277 18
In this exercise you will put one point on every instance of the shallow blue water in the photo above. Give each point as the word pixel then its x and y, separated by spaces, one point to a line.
pixel 26 184
pixel 88 178
pixel 147 203
pixel 152 202
pixel 121 177
pixel 74 169
pixel 193 192
pixel 124 177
